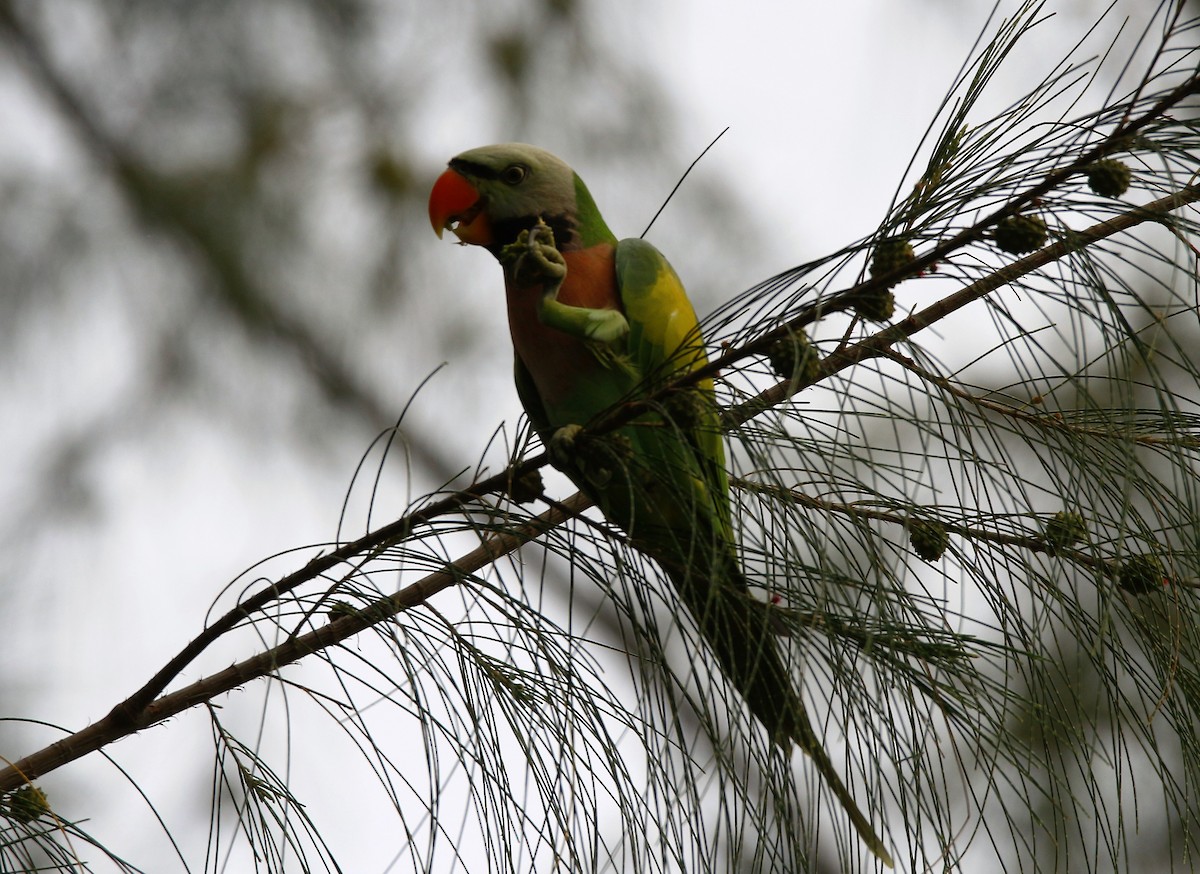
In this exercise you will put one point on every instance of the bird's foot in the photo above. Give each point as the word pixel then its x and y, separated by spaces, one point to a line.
pixel 534 258
pixel 562 445
pixel 596 458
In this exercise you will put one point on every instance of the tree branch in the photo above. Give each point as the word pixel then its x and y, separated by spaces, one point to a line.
pixel 880 343
pixel 146 708
pixel 118 724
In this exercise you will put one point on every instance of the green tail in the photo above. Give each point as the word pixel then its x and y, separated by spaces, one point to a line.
pixel 739 632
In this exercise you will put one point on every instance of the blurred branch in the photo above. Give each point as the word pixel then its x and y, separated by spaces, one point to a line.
pixel 1070 664
pixel 161 206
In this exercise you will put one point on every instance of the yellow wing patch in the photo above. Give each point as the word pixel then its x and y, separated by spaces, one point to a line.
pixel 662 323
pixel 664 338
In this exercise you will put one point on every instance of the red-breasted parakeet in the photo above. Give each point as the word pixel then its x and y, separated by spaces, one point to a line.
pixel 595 322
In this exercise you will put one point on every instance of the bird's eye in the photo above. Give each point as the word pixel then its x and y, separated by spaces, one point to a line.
pixel 514 174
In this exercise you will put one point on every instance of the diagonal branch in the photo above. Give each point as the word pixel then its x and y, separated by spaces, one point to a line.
pixel 880 343
pixel 148 706
pixel 116 725
pixel 845 299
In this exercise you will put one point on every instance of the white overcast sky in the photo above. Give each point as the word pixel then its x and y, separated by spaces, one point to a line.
pixel 825 102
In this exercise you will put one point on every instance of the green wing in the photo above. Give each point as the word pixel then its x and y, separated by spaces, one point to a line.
pixel 664 339
pixel 663 481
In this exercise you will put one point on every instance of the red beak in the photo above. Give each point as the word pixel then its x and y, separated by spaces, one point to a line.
pixel 455 205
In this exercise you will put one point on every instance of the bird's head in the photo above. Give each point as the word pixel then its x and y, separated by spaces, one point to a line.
pixel 490 194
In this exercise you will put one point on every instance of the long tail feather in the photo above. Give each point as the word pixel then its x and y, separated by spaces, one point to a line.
pixel 739 631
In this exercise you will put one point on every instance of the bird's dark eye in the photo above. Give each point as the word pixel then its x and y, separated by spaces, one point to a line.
pixel 514 174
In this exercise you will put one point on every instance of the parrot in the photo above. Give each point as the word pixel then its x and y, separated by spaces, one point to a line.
pixel 596 323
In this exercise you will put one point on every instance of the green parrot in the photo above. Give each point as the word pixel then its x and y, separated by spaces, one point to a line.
pixel 596 322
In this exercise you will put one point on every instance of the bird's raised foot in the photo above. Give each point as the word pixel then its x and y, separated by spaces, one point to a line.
pixel 533 257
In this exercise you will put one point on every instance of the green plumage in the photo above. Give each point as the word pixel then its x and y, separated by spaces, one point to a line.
pixel 660 477
pixel 670 492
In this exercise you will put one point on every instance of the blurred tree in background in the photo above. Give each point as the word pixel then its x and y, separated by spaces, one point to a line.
pixel 218 292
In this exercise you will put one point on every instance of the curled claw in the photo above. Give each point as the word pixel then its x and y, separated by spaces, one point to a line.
pixel 561 446
pixel 536 231
pixel 536 243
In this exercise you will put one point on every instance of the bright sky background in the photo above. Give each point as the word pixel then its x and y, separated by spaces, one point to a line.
pixel 825 104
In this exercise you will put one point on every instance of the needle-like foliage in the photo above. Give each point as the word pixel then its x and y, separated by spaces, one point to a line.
pixel 964 458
